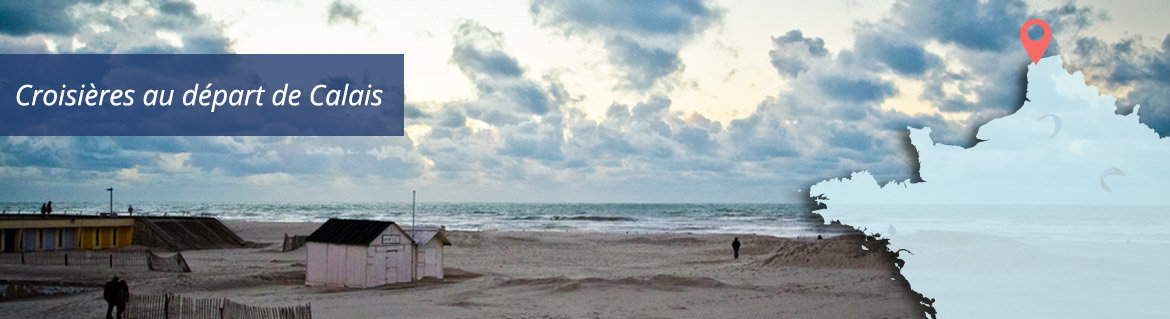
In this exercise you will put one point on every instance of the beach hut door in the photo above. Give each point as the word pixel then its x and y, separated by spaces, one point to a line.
pixel 391 266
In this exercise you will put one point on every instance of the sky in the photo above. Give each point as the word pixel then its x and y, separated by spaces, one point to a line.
pixel 589 101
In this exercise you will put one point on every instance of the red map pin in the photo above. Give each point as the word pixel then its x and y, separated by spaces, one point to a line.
pixel 1036 48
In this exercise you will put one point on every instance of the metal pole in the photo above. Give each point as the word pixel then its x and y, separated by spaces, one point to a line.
pixel 413 194
pixel 413 244
pixel 111 189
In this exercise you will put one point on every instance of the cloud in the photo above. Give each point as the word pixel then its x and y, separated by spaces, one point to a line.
pixel 170 26
pixel 387 151
pixel 43 17
pixel 24 45
pixel 173 161
pixel 129 174
pixel 340 11
pixel 642 37
pixel 855 89
pixel 269 179
pixel 975 25
pixel 1129 64
pixel 792 53
pixel 896 50
pixel 479 53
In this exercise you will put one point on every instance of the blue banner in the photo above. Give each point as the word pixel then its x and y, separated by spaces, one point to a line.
pixel 201 95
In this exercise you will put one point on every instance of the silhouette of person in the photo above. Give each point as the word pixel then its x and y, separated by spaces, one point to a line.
pixel 123 297
pixel 735 247
pixel 49 208
pixel 110 293
pixel 44 208
pixel 130 210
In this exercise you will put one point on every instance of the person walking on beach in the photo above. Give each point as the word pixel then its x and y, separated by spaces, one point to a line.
pixel 735 247
pixel 130 210
pixel 110 293
pixel 123 297
pixel 49 208
pixel 43 208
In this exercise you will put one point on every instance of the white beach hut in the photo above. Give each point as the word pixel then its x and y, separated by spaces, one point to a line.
pixel 429 242
pixel 369 253
pixel 358 254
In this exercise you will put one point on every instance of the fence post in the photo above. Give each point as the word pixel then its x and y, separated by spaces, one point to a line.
pixel 221 306
pixel 67 259
pixel 22 257
pixel 167 306
pixel 111 259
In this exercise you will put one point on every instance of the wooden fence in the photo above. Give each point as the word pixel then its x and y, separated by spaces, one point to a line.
pixel 106 259
pixel 291 243
pixel 84 258
pixel 176 306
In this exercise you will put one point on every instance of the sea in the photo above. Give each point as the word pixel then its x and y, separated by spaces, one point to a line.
pixel 781 219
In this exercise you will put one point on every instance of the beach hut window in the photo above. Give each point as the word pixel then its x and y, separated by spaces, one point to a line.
pixel 391 239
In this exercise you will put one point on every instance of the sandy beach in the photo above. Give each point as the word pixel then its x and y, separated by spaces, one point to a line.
pixel 529 274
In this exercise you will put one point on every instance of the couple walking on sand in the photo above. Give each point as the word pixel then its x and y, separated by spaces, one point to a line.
pixel 116 293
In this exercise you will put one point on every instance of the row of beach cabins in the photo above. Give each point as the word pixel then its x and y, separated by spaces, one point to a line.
pixel 341 252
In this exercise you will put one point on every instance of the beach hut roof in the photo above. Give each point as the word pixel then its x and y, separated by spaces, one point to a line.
pixel 423 235
pixel 354 232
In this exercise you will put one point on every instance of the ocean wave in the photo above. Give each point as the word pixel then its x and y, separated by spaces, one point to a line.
pixel 596 218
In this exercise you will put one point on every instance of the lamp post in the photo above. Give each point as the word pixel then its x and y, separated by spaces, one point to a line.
pixel 111 190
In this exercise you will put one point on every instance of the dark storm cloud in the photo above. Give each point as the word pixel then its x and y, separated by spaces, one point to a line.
pixel 895 50
pixel 859 90
pixel 122 27
pixel 991 25
pixel 21 18
pixel 642 37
